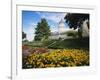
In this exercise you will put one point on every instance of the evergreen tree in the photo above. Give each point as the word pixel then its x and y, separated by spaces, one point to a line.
pixel 42 32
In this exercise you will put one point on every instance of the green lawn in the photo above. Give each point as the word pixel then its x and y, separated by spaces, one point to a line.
pixel 56 44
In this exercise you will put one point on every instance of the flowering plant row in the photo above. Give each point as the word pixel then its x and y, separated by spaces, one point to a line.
pixel 57 58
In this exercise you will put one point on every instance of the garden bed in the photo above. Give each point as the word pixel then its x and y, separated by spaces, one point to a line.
pixel 56 58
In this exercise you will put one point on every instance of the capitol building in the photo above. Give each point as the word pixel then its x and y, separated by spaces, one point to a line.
pixel 62 31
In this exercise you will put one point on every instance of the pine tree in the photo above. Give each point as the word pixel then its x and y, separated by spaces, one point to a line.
pixel 42 32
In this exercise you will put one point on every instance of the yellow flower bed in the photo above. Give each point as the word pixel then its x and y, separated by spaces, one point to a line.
pixel 58 58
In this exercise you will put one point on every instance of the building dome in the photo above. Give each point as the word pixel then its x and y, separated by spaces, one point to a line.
pixel 61 26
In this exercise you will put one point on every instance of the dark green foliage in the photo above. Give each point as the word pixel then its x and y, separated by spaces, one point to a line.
pixel 75 20
pixel 23 35
pixel 42 31
pixel 72 33
pixel 76 43
pixel 72 43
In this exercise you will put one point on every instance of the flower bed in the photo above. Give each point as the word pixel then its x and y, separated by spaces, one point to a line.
pixel 57 58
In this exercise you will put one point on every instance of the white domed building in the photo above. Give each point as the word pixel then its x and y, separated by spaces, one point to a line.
pixel 62 29
pixel 61 26
pixel 61 33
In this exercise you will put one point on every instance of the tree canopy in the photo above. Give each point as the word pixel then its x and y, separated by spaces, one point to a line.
pixel 42 31
pixel 74 20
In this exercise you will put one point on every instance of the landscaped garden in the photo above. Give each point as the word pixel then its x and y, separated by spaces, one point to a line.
pixel 56 58
pixel 59 42
pixel 56 55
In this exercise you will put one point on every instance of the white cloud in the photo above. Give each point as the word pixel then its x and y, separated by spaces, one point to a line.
pixel 54 28
pixel 32 24
pixel 55 17
pixel 30 31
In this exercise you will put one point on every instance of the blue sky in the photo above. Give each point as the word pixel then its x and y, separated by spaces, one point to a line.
pixel 31 18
